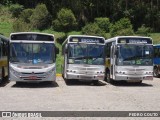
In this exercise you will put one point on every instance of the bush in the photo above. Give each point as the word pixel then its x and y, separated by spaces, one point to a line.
pixel 65 21
pixel 60 37
pixel 92 29
pixel 143 31
pixel 20 26
pixel 25 15
pixel 40 19
pixel 103 23
pixel 16 9
pixel 121 28
pixel 5 14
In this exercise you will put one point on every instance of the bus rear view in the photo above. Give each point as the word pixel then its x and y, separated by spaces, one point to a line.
pixel 32 57
pixel 84 58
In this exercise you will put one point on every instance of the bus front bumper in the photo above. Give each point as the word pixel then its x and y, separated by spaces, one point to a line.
pixel 133 77
pixel 85 76
pixel 31 78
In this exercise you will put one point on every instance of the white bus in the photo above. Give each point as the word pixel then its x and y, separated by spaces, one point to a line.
pixel 129 58
pixel 32 57
pixel 84 58
pixel 3 57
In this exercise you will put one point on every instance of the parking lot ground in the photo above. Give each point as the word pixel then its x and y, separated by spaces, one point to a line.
pixel 80 96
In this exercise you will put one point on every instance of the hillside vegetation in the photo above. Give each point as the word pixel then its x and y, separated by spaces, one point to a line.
pixel 18 16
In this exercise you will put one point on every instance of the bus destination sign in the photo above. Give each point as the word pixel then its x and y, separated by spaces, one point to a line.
pixel 135 40
pixel 87 40
pixel 35 37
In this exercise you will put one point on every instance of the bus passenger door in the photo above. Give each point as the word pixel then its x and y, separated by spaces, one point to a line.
pixel 112 58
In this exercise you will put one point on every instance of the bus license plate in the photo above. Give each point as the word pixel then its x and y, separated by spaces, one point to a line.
pixel 33 77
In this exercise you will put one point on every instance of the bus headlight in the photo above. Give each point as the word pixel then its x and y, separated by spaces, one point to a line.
pixel 73 71
pixel 100 72
pixel 15 72
pixel 51 71
pixel 120 72
pixel 149 73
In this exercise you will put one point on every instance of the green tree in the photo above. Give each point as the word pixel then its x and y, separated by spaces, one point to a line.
pixel 121 28
pixel 65 20
pixel 21 26
pixel 16 9
pixel 103 23
pixel 40 19
pixel 144 31
pixel 93 29
pixel 25 15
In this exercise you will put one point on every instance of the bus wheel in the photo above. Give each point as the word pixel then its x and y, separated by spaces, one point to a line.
pixel 108 78
pixel 95 82
pixel 3 72
pixel 18 83
pixel 156 74
pixel 139 82
pixel 66 80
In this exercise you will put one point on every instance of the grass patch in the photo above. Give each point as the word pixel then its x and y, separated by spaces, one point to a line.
pixel 6 28
pixel 74 33
pixel 155 37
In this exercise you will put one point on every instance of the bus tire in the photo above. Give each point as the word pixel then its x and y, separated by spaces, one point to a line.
pixel 139 82
pixel 155 73
pixel 95 82
pixel 3 73
pixel 66 80
pixel 109 80
pixel 18 83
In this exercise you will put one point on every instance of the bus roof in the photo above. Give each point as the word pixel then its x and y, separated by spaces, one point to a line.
pixel 16 33
pixel 84 36
pixel 78 36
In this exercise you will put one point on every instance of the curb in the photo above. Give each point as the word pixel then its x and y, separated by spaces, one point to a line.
pixel 58 75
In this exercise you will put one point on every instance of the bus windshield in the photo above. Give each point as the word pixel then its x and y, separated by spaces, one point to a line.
pixel 86 54
pixel 33 53
pixel 135 54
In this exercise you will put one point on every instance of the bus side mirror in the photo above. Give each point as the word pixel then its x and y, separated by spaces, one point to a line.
pixel 57 50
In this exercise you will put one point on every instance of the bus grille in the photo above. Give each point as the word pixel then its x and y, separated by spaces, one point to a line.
pixel 86 68
pixel 32 76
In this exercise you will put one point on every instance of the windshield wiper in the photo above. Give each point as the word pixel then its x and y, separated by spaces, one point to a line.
pixel 14 60
pixel 135 57
pixel 130 58
pixel 83 57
